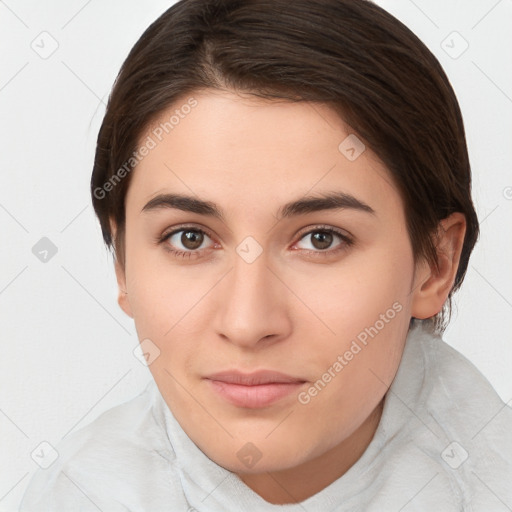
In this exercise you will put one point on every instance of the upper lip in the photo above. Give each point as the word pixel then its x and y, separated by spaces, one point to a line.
pixel 254 378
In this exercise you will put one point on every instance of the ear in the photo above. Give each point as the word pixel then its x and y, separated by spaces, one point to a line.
pixel 122 297
pixel 432 286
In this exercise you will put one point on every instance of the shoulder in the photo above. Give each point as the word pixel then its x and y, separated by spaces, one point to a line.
pixel 468 424
pixel 122 460
pixel 457 393
pixel 444 440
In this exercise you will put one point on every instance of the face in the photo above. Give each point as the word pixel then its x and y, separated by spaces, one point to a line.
pixel 303 304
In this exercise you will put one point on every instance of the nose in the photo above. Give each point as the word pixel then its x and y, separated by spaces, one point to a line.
pixel 252 310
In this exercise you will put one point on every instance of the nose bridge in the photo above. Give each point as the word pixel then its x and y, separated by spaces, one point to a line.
pixel 252 306
pixel 251 278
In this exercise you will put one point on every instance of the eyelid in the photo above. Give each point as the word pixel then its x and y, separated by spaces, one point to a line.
pixel 323 227
pixel 184 227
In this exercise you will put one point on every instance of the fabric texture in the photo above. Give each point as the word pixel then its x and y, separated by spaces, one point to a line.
pixel 444 443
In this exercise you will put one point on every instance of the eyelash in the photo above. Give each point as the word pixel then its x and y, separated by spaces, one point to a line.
pixel 346 241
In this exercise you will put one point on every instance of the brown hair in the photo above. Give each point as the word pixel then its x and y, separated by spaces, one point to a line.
pixel 349 54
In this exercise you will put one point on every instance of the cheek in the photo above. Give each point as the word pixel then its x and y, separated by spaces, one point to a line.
pixel 352 295
pixel 365 304
pixel 160 305
pixel 155 294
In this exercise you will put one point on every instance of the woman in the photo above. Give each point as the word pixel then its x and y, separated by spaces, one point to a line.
pixel 287 190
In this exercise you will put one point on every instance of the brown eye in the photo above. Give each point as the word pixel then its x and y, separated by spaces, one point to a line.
pixel 324 241
pixel 192 239
pixel 186 242
pixel 321 240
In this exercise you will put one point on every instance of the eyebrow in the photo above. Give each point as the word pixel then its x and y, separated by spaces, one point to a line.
pixel 326 201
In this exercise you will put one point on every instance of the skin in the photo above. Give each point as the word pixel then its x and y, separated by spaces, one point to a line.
pixel 294 309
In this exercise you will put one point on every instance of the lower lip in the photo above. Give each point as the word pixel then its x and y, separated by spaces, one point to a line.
pixel 254 397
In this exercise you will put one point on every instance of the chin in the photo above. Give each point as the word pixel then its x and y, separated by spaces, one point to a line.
pixel 258 457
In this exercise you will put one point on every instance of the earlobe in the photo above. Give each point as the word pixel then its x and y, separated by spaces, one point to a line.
pixel 432 285
pixel 122 297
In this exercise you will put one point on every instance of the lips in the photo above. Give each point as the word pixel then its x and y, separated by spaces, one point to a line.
pixel 253 379
pixel 253 390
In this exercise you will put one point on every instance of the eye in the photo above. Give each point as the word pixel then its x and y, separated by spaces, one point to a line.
pixel 321 239
pixel 191 242
pixel 185 242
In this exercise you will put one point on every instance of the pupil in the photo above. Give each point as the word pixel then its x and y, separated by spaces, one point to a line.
pixel 192 239
pixel 322 240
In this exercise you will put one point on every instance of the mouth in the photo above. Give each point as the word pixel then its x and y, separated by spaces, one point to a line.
pixel 253 390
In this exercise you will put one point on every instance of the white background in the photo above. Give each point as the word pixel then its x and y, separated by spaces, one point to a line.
pixel 66 353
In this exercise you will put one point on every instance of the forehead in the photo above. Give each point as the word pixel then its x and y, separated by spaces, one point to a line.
pixel 253 153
